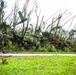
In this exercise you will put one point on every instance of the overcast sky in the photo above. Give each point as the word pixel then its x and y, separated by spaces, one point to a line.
pixel 49 7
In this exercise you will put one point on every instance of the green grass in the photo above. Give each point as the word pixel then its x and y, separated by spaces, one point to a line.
pixel 54 65
pixel 30 52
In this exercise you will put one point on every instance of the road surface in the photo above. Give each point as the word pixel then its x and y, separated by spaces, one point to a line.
pixel 37 54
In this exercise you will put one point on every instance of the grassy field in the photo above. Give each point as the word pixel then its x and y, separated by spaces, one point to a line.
pixel 54 65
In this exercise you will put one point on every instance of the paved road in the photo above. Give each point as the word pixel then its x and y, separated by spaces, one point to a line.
pixel 37 54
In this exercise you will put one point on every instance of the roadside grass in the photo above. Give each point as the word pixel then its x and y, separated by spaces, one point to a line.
pixel 30 52
pixel 54 65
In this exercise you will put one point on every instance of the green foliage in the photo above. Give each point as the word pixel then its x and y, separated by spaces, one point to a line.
pixel 69 42
pixel 74 47
pixel 22 49
pixel 51 48
pixel 47 48
pixel 21 17
pixel 13 47
pixel 46 34
pixel 41 38
pixel 66 49
pixel 42 49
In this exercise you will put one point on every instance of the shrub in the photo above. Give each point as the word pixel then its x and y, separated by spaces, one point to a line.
pixel 42 49
pixel 74 48
pixel 66 49
pixel 13 47
pixel 51 48
pixel 47 48
pixel 22 49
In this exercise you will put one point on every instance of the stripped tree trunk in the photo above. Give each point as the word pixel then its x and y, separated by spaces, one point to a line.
pixel 2 41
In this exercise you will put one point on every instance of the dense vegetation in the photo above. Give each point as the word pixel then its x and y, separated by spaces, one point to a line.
pixel 39 37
